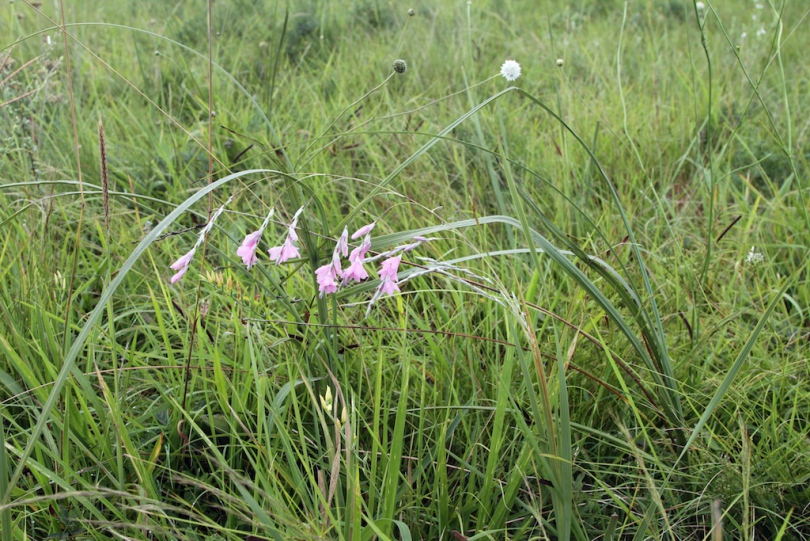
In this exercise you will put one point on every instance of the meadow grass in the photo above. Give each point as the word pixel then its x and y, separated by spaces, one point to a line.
pixel 596 352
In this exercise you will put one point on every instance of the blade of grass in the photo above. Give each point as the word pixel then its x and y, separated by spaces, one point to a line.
pixel 738 362
pixel 78 344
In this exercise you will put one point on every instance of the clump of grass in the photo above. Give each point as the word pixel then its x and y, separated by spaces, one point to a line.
pixel 592 356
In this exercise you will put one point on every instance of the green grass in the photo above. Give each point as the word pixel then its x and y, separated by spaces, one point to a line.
pixel 599 362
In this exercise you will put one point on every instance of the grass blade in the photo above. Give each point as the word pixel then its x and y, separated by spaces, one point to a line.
pixel 738 362
pixel 78 344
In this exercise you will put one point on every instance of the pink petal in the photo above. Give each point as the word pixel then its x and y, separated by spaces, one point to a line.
pixel 365 230
pixel 326 279
pixel 183 261
pixel 275 252
pixel 388 287
pixel 390 267
pixel 247 251
pixel 252 239
pixel 179 274
pixel 336 264
pixel 326 289
pixel 343 243
pixel 248 255
pixel 360 251
pixel 288 251
pixel 325 271
pixel 355 272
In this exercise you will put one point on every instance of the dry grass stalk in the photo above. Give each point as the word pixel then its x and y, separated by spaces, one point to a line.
pixel 105 184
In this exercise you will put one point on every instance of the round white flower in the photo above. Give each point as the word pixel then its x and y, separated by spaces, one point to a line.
pixel 510 70
pixel 700 5
pixel 753 257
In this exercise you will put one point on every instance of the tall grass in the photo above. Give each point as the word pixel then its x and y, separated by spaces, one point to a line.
pixel 583 350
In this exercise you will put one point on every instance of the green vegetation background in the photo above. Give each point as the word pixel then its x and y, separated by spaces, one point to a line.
pixel 515 408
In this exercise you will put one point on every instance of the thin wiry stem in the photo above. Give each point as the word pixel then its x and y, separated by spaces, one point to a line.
pixel 105 183
pixel 72 102
pixel 196 316
pixel 709 151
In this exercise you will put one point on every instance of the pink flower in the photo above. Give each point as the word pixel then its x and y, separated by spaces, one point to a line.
pixel 181 265
pixel 288 250
pixel 388 287
pixel 365 230
pixel 390 267
pixel 326 275
pixel 388 276
pixel 336 263
pixel 247 251
pixel 356 271
pixel 360 251
pixel 282 253
pixel 342 247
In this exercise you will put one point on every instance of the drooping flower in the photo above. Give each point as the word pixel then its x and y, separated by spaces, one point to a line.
pixel 342 247
pixel 365 230
pixel 288 250
pixel 247 251
pixel 510 70
pixel 181 265
pixel 356 271
pixel 388 276
pixel 389 280
pixel 325 275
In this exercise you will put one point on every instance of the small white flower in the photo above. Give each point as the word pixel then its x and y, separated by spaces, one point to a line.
pixel 700 5
pixel 761 32
pixel 510 70
pixel 744 35
pixel 759 6
pixel 560 62
pixel 754 257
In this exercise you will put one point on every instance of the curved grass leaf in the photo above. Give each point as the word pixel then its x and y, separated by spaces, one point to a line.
pixel 78 344
pixel 738 362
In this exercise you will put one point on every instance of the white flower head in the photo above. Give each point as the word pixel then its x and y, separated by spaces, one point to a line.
pixel 754 257
pixel 700 5
pixel 510 70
